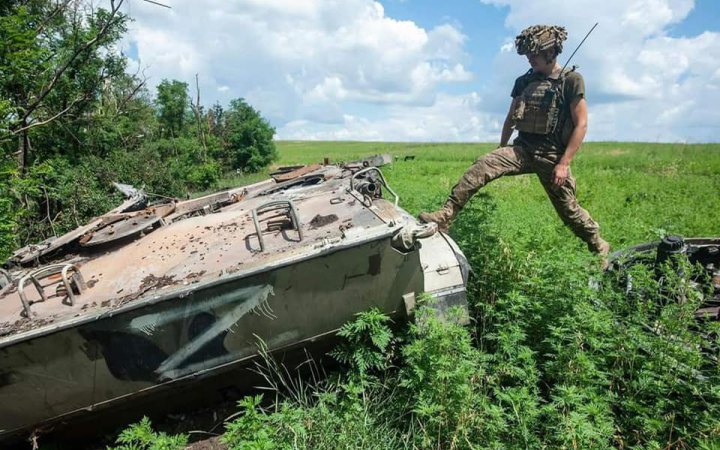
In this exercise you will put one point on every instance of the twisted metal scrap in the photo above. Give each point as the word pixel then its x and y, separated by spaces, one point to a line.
pixel 537 38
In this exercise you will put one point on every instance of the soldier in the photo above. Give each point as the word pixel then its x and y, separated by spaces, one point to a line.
pixel 550 113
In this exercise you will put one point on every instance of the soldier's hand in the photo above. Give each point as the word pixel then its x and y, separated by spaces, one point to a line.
pixel 560 174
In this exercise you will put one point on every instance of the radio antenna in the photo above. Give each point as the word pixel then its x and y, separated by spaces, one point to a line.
pixel 157 3
pixel 578 47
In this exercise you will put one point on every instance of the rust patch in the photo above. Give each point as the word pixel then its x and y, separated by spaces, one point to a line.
pixel 345 226
pixel 23 325
pixel 148 283
pixel 291 175
pixel 233 269
pixel 321 221
pixel 195 276
pixel 153 282
pixel 5 328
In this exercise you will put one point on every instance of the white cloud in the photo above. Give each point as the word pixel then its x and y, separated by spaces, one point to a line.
pixel 343 69
pixel 294 59
pixel 449 118
pixel 641 83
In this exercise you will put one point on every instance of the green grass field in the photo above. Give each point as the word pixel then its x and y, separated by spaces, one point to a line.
pixel 636 191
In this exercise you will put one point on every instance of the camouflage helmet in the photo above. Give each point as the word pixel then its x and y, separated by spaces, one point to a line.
pixel 537 38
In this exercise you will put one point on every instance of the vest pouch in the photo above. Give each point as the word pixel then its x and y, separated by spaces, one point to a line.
pixel 538 108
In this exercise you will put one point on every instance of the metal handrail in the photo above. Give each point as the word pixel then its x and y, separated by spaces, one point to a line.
pixel 275 205
pixel 382 180
pixel 44 272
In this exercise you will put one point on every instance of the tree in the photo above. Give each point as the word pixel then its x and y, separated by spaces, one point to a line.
pixel 72 120
pixel 248 137
pixel 172 102
pixel 55 59
pixel 64 97
pixel 215 117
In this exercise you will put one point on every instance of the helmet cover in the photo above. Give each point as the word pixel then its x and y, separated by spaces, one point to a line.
pixel 538 38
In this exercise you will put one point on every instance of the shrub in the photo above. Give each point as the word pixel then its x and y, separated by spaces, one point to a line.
pixel 248 138
pixel 141 436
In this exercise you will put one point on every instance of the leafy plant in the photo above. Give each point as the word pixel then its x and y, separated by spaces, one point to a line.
pixel 368 343
pixel 141 436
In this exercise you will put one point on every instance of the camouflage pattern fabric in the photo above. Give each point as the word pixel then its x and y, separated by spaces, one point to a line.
pixel 538 107
pixel 538 38
pixel 516 160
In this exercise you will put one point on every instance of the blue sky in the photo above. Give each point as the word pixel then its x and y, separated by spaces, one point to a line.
pixel 704 16
pixel 422 70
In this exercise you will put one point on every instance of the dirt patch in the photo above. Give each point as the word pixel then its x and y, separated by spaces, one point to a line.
pixel 233 269
pixel 212 443
pixel 5 328
pixel 321 221
pixel 148 283
pixel 24 324
pixel 153 282
pixel 194 277
pixel 617 152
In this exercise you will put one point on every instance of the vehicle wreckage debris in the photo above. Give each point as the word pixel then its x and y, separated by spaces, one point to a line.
pixel 669 253
pixel 268 264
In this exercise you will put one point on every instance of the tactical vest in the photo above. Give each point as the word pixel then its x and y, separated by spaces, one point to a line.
pixel 538 106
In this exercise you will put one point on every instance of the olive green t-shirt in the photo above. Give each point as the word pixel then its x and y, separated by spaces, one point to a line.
pixel 555 142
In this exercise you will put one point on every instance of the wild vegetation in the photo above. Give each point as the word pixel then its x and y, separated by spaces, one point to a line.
pixel 72 120
pixel 558 354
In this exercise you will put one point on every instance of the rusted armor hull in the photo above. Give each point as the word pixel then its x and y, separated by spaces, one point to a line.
pixel 148 318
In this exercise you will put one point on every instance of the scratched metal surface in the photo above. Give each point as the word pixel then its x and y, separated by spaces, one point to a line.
pixel 192 298
pixel 204 248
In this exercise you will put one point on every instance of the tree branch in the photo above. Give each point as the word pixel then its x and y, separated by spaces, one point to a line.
pixel 61 70
pixel 131 95
pixel 61 6
pixel 47 208
pixel 48 120
pixel 196 110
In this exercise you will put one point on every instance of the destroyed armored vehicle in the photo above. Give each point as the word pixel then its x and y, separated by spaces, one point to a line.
pixel 677 254
pixel 151 295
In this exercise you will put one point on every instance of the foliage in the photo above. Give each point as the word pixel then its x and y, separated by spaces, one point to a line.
pixel 443 381
pixel 248 138
pixel 141 436
pixel 172 105
pixel 56 59
pixel 9 214
pixel 334 420
pixel 368 343
pixel 72 121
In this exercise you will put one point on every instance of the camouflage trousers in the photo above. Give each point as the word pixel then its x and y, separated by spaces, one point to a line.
pixel 517 161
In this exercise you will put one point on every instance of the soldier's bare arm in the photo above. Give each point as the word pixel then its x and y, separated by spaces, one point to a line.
pixel 507 128
pixel 578 111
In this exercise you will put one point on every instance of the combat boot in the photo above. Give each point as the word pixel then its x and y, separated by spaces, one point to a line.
pixel 600 247
pixel 443 217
